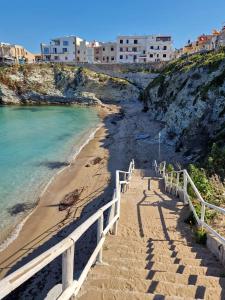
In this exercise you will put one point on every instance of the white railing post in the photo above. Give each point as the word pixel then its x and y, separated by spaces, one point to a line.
pixel 185 187
pixel 178 181
pixel 202 213
pixel 99 236
pixel 117 204
pixel 67 267
pixel 171 181
pixel 166 181
pixel 133 166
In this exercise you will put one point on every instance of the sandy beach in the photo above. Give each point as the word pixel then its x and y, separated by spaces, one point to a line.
pixel 126 133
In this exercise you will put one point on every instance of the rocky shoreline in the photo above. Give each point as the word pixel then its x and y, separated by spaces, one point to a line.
pixel 62 84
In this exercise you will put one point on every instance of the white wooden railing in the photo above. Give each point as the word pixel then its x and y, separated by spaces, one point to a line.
pixel 176 182
pixel 71 287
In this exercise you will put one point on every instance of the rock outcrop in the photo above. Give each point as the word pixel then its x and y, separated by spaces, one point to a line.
pixel 46 83
pixel 189 97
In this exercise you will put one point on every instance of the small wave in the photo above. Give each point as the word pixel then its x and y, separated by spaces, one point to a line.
pixel 15 232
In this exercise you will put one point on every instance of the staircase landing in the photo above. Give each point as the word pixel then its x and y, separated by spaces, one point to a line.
pixel 154 255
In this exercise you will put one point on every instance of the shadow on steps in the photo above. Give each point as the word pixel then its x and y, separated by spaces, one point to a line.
pixel 191 276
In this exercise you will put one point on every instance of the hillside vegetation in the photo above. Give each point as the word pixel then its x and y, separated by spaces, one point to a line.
pixel 188 96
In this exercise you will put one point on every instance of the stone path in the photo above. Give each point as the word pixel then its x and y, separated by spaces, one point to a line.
pixel 154 255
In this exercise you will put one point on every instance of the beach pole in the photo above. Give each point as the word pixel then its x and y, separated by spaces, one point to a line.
pixel 67 267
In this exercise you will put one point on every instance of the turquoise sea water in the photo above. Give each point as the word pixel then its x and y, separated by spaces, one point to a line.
pixel 35 143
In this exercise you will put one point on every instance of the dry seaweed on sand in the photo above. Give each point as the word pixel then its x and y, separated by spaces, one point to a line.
pixel 70 199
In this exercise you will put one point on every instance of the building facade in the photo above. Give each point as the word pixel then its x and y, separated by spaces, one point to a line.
pixel 108 53
pixel 15 54
pixel 146 48
pixel 62 49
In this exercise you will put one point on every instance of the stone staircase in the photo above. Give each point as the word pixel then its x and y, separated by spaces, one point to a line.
pixel 154 255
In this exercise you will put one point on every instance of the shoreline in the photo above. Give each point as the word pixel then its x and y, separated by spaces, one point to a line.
pixel 13 241
pixel 15 231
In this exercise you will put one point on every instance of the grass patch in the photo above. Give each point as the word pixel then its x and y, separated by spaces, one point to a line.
pixel 200 236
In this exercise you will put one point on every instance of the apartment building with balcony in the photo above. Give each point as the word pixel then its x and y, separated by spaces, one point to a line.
pixel 146 48
pixel 62 49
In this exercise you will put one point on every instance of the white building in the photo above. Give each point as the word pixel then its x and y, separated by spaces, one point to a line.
pixel 108 52
pixel 146 48
pixel 62 49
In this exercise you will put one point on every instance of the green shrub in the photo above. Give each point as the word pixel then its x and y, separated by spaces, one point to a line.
pixel 200 236
pixel 169 168
pixel 201 181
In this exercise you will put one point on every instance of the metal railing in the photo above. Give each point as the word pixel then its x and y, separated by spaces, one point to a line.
pixel 71 287
pixel 178 183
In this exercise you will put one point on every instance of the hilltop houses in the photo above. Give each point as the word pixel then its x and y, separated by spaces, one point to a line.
pixel 147 48
pixel 11 53
pixel 126 49
pixel 203 43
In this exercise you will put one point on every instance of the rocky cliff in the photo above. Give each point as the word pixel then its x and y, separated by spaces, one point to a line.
pixel 189 98
pixel 62 84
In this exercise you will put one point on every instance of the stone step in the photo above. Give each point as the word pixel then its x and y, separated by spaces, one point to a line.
pixel 94 293
pixel 162 244
pixel 177 268
pixel 209 281
pixel 161 258
pixel 144 251
pixel 154 287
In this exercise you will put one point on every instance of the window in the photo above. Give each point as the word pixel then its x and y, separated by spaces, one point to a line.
pixel 57 42
pixel 121 56
pixel 65 43
pixel 163 38
pixel 121 41
pixel 103 58
pixel 103 49
pixel 54 50
pixel 56 57
pixel 135 41
pixel 158 48
pixel 121 49
pixel 46 50
pixel 127 41
pixel 66 58
pixel 112 58
pixel 164 55
pixel 164 47
pixel 144 52
pixel 126 57
pixel 151 55
pixel 112 49
pixel 157 55
pixel 134 49
pixel 152 47
pixel 64 50
pixel 78 51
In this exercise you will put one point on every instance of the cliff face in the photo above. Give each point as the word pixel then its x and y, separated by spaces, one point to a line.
pixel 189 97
pixel 62 84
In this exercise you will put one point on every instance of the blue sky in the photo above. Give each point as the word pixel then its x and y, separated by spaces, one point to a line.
pixel 30 22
